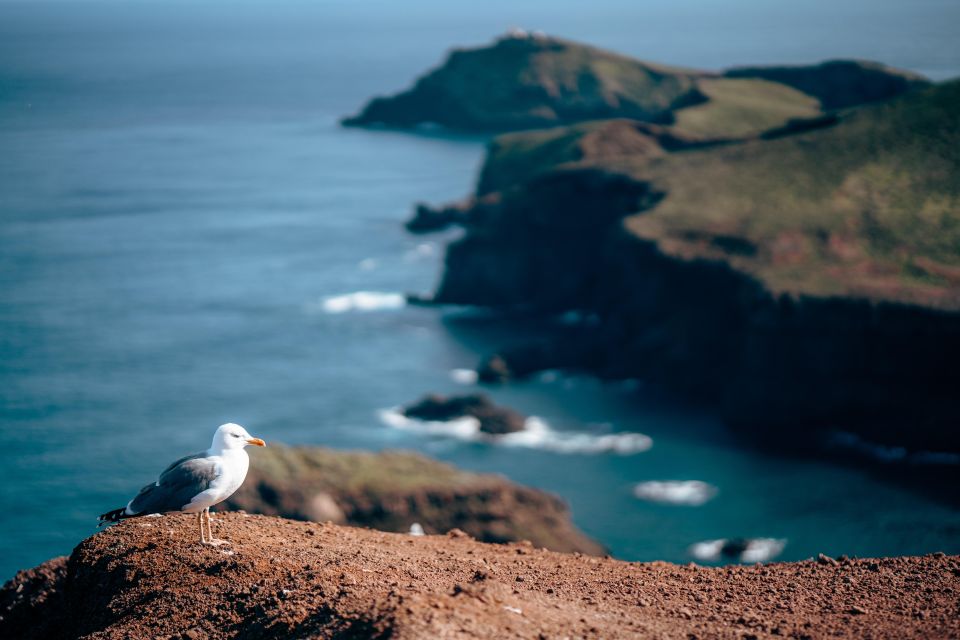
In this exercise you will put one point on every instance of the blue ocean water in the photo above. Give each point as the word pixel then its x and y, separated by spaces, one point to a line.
pixel 178 207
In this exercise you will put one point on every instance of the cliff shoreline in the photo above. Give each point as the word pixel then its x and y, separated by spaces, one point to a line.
pixel 790 308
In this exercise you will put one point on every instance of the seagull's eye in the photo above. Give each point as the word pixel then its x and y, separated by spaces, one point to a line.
pixel 235 435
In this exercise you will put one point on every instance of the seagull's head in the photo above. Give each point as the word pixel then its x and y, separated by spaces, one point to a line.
pixel 233 436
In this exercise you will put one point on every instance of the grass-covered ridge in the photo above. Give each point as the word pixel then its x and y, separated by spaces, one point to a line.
pixel 528 82
pixel 869 207
pixel 532 81
pixel 741 107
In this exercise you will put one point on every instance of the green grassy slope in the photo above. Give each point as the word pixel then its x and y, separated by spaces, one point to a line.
pixel 743 107
pixel 869 207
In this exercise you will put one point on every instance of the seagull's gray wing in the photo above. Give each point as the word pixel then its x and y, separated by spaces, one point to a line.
pixel 177 486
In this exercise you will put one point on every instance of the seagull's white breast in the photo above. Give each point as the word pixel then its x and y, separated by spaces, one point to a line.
pixel 231 467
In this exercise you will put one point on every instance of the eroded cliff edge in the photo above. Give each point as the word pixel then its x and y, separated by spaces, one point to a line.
pixel 285 579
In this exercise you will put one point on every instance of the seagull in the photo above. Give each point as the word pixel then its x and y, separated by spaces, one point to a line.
pixel 195 483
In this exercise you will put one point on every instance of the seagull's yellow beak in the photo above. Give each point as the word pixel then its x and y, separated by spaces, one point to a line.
pixel 256 442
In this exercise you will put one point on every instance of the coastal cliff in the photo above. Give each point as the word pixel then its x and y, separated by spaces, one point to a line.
pixel 392 490
pixel 284 579
pixel 532 80
pixel 803 281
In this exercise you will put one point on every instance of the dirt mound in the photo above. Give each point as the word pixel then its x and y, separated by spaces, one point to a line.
pixel 286 579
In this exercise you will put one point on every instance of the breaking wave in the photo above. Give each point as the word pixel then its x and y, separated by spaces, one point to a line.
pixel 464 376
pixel 691 493
pixel 362 301
pixel 537 434
pixel 747 550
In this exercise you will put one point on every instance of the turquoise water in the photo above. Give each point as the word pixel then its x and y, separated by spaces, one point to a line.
pixel 177 202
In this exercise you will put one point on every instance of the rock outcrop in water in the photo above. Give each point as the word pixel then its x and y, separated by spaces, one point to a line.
pixel 148 578
pixel 494 420
pixel 526 81
pixel 392 490
pixel 803 282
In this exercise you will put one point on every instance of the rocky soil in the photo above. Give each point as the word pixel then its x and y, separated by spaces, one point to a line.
pixel 149 578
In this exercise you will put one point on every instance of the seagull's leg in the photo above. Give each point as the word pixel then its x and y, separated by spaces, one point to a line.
pixel 211 540
pixel 203 537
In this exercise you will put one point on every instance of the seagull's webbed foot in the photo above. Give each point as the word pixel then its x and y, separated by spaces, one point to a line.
pixel 216 542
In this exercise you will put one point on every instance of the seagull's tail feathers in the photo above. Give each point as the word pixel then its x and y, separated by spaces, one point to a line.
pixel 112 516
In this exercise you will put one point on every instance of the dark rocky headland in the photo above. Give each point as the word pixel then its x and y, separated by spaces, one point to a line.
pixel 788 251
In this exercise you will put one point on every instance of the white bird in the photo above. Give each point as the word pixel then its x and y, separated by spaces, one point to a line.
pixel 195 483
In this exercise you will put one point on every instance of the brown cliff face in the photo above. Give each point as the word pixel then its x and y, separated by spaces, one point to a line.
pixel 392 490
pixel 149 578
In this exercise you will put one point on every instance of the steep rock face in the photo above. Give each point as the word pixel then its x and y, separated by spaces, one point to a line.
pixel 392 490
pixel 555 224
pixel 839 84
pixel 285 579
pixel 781 367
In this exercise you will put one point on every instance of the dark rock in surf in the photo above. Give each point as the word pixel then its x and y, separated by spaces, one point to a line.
pixel 494 420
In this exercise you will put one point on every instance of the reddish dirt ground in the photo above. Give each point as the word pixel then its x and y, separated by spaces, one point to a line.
pixel 150 578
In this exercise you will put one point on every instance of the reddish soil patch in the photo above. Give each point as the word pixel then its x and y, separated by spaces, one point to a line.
pixel 283 579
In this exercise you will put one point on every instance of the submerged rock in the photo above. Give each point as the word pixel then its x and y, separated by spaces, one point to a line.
pixel 427 219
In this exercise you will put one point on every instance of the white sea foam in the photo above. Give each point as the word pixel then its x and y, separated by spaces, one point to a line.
pixel 755 550
pixel 422 251
pixel 362 301
pixel 536 434
pixel 463 376
pixel 691 493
